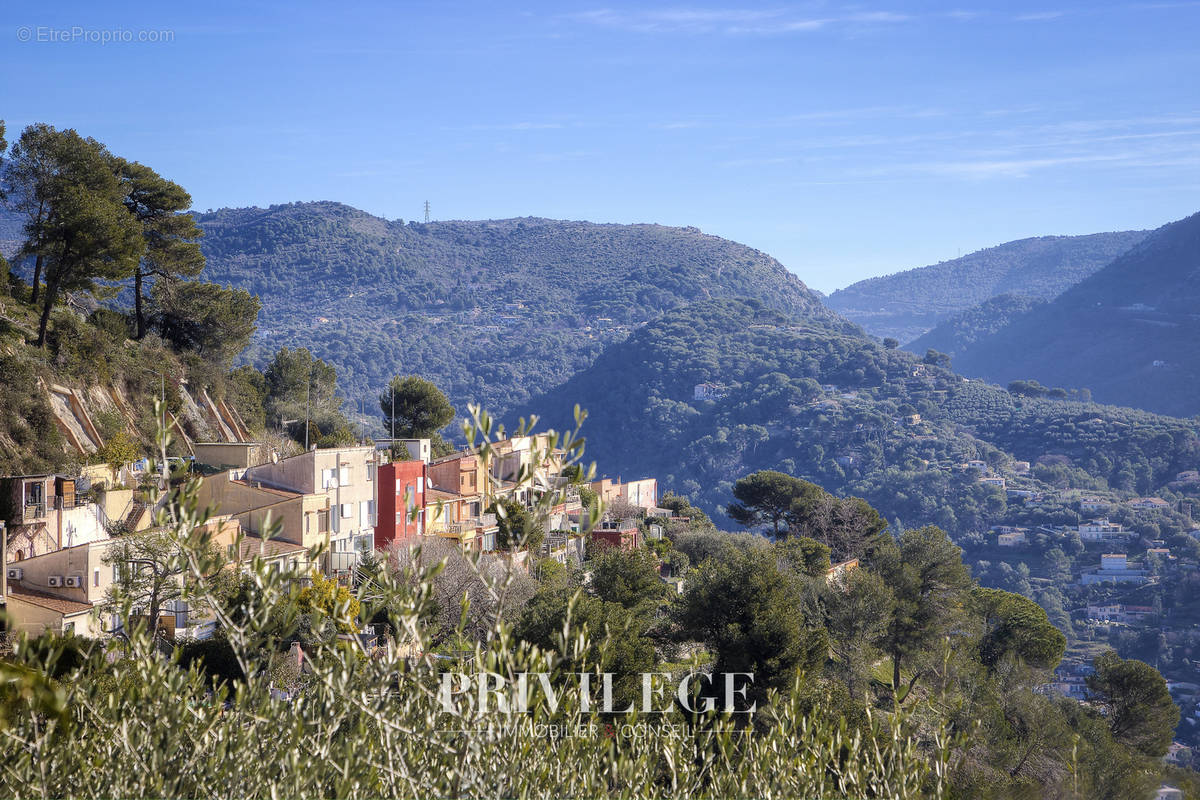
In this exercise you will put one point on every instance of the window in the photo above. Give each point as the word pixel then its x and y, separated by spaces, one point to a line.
pixel 68 628
pixel 96 577
pixel 347 510
pixel 344 476
pixel 370 472
pixel 327 476
pixel 420 484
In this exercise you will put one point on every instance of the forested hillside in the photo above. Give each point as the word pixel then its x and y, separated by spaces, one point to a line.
pixel 960 332
pixel 907 304
pixel 1128 333
pixel 493 311
pixel 840 410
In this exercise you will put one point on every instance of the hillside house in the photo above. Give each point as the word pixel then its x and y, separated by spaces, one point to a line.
pixel 527 465
pixel 345 477
pixel 460 518
pixel 63 591
pixel 49 512
pixel 623 533
pixel 565 547
pixel 710 392
pixel 642 492
pixel 401 501
pixel 1070 679
pixel 229 455
pixel 324 496
pixel 1012 539
pixel 1114 568
pixel 1148 504
pixel 418 449
pixel 1101 530
pixel 461 474
pixel 1119 612
pixel 1093 504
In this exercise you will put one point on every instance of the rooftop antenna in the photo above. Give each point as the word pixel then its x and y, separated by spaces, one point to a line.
pixel 427 211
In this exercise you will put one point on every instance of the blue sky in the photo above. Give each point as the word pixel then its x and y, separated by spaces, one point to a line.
pixel 846 140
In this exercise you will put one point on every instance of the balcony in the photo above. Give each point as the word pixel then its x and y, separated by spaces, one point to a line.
pixel 71 501
pixel 470 524
pixel 33 511
pixel 339 561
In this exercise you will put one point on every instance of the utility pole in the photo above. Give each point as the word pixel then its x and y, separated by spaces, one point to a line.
pixel 392 386
pixel 427 211
pixel 307 396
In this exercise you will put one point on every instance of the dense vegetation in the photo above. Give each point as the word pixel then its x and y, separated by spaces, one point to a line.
pixel 907 304
pixel 958 333
pixel 91 224
pixel 492 311
pixel 1128 332
pixel 838 409
pixel 900 679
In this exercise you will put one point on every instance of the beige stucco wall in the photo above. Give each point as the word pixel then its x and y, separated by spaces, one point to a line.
pixel 229 454
pixel 26 617
pixel 86 561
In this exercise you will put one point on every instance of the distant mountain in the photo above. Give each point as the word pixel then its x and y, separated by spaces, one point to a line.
pixel 964 329
pixel 833 406
pixel 1130 332
pixel 494 311
pixel 907 304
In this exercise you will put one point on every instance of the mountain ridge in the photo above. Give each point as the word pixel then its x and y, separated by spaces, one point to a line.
pixel 907 304
pixel 492 310
pixel 1127 332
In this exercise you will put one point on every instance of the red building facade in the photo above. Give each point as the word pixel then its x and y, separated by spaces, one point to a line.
pixel 401 487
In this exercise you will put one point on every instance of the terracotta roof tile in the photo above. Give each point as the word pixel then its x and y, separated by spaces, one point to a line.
pixel 59 604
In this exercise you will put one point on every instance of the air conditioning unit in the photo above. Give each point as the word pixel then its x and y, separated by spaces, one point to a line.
pixel 75 581
pixel 15 573
pixel 55 581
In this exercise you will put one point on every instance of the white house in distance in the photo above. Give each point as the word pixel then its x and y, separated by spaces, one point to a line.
pixel 1114 568
pixel 1148 504
pixel 1014 538
pixel 1101 530
pixel 709 391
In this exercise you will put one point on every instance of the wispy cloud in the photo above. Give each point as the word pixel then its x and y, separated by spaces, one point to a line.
pixel 517 126
pixel 729 21
pixel 1040 16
